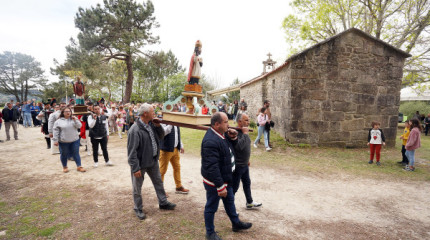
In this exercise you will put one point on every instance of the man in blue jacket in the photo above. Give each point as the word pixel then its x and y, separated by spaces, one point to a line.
pixel 218 164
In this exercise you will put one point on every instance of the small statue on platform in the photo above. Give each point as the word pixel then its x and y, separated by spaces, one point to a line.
pixel 79 90
pixel 194 73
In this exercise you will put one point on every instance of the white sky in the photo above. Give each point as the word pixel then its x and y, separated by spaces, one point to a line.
pixel 236 34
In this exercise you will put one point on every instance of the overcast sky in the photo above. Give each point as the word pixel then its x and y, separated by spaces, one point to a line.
pixel 236 34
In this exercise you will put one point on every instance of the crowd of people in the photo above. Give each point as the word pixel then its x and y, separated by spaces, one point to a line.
pixel 151 146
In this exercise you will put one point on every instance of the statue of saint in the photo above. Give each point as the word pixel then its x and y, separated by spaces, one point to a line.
pixel 79 90
pixel 194 73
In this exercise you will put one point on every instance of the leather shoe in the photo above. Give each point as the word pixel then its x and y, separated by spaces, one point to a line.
pixel 241 226
pixel 168 206
pixel 139 214
pixel 213 236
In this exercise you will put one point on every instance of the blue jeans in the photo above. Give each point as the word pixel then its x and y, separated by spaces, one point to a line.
pixel 242 173
pixel 261 131
pixel 212 202
pixel 70 150
pixel 411 157
pixel 27 119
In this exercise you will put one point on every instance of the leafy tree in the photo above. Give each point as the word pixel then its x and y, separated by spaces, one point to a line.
pixel 118 30
pixel 231 96
pixel 20 73
pixel 57 90
pixel 171 87
pixel 402 23
pixel 152 72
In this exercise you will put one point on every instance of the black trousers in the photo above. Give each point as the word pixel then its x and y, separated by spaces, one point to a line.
pixel 404 158
pixel 427 128
pixel 103 144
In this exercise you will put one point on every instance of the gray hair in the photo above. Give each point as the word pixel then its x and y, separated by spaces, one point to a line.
pixel 239 117
pixel 144 108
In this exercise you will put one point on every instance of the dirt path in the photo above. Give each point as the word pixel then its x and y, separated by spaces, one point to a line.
pixel 294 206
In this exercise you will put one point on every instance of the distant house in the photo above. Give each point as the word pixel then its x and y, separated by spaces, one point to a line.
pixel 329 94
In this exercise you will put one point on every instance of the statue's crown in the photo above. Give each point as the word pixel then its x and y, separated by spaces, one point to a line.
pixel 198 43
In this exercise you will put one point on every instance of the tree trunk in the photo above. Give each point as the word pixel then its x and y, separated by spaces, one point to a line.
pixel 129 82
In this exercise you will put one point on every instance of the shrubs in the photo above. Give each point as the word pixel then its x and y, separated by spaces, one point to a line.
pixel 409 108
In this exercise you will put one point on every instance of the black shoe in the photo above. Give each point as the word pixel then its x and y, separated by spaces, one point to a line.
pixel 168 206
pixel 140 214
pixel 371 161
pixel 241 226
pixel 213 236
pixel 401 162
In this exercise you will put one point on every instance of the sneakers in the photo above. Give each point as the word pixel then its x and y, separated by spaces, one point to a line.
pixel 241 226
pixel 378 163
pixel 168 206
pixel 109 163
pixel 253 205
pixel 65 170
pixel 81 169
pixel 96 164
pixel 371 161
pixel 182 190
pixel 255 145
pixel 268 149
pixel 139 214
pixel 409 168
pixel 213 236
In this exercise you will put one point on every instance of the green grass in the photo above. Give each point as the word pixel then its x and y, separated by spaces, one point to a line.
pixel 31 217
pixel 304 159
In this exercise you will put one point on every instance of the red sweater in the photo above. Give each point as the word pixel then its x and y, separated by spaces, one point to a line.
pixel 414 141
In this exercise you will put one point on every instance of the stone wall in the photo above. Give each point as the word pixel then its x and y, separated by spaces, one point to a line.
pixel 340 87
pixel 330 94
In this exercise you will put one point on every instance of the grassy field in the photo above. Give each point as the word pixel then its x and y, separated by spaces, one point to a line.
pixel 332 161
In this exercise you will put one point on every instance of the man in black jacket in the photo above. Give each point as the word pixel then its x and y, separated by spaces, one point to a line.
pixel 143 149
pixel 218 164
pixel 243 152
pixel 10 117
pixel 99 134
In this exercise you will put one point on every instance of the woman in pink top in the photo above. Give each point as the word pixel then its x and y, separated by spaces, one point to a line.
pixel 413 143
pixel 263 119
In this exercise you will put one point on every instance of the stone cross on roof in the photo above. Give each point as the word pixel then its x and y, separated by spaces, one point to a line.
pixel 269 63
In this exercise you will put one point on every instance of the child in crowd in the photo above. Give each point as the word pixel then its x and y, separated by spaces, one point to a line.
pixel 120 122
pixel 375 139
pixel 404 137
pixel 413 143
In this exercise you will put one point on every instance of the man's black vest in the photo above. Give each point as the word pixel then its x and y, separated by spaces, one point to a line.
pixel 169 141
pixel 99 129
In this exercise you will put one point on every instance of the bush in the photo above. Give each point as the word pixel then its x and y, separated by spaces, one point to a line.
pixel 409 108
pixel 252 124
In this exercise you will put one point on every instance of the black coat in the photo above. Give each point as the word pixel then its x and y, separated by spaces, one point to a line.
pixel 7 116
pixel 216 158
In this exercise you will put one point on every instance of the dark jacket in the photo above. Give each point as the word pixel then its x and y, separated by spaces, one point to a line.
pixel 7 117
pixel 139 146
pixel 169 140
pixel 242 149
pixel 216 158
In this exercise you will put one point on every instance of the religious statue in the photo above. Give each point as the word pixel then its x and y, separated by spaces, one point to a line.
pixel 194 73
pixel 79 90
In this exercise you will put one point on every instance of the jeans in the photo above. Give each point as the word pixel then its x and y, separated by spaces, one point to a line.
pixel 262 130
pixel 70 150
pixel 212 202
pixel 242 173
pixel 411 157
pixel 27 119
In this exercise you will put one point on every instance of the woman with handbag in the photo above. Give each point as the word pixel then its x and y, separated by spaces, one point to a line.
pixel 263 128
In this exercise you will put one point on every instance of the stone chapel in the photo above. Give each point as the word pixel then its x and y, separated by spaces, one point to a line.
pixel 328 94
